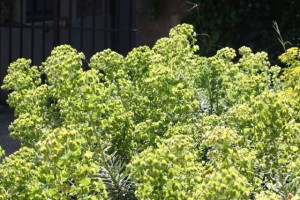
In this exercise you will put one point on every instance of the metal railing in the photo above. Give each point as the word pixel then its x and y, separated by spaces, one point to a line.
pixel 31 28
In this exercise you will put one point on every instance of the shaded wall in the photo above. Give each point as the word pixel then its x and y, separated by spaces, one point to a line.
pixel 156 17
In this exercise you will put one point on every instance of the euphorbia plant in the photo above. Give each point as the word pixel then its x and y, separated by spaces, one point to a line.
pixel 158 123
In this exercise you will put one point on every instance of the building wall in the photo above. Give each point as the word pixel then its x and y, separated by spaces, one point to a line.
pixel 156 17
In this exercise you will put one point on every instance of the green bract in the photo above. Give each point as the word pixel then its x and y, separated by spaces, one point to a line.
pixel 169 171
pixel 160 123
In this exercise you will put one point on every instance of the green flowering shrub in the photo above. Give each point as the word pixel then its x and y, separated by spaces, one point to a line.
pixel 159 123
pixel 224 83
pixel 168 171
pixel 223 184
pixel 2 152
pixel 59 167
pixel 291 74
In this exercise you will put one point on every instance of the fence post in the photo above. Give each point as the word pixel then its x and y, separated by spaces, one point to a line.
pixel 56 13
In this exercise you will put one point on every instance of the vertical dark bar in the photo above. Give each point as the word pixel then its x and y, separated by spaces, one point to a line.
pixel 133 24
pixel 130 25
pixel 2 101
pixel 32 30
pixel 81 25
pixel 115 15
pixel 43 30
pixel 56 12
pixel 21 27
pixel 112 10
pixel 93 26
pixel 0 42
pixel 117 25
pixel 105 22
pixel 70 22
pixel 10 32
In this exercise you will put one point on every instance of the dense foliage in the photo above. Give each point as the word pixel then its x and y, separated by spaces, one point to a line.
pixel 160 123
pixel 238 22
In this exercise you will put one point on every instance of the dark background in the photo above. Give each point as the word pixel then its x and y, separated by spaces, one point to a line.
pixel 235 23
